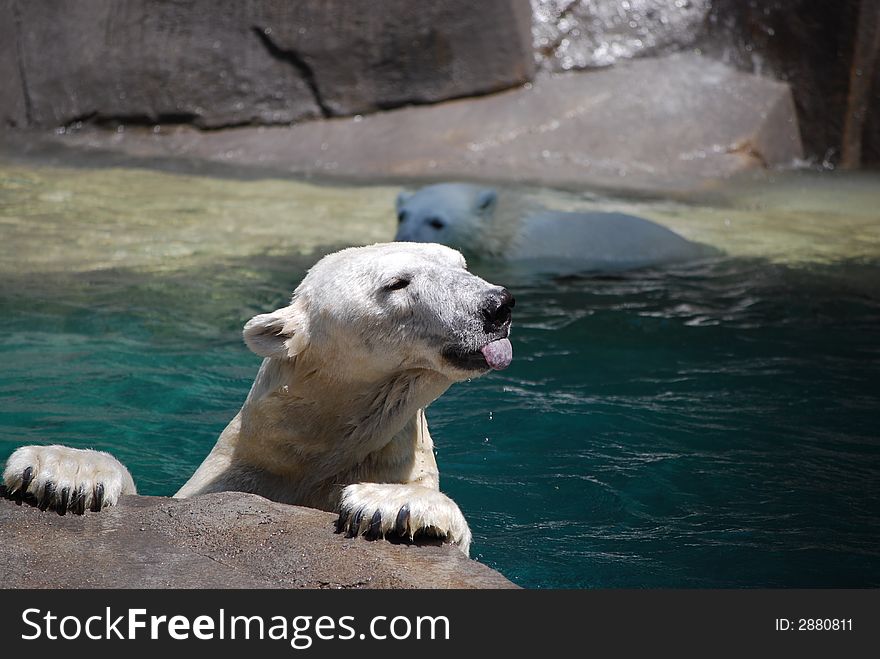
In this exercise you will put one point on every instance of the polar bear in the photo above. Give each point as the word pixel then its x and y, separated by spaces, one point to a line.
pixel 335 418
pixel 473 219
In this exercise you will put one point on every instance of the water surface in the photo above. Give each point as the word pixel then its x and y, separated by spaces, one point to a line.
pixel 709 425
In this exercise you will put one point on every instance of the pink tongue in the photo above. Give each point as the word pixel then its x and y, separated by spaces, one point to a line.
pixel 498 354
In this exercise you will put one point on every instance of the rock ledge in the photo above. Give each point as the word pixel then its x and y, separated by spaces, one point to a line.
pixel 226 540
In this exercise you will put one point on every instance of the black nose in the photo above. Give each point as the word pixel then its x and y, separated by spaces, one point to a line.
pixel 497 311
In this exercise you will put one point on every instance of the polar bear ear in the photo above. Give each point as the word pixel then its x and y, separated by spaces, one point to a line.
pixel 402 198
pixel 486 200
pixel 280 334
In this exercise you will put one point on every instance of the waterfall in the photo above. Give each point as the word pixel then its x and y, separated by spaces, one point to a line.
pixel 581 34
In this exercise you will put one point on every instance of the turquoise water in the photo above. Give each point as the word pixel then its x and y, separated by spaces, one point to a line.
pixel 715 425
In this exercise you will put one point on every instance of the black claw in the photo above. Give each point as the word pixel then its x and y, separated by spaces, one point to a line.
pixel 98 498
pixel 48 495
pixel 18 494
pixel 65 499
pixel 374 530
pixel 78 502
pixel 26 477
pixel 342 521
pixel 354 526
pixel 401 526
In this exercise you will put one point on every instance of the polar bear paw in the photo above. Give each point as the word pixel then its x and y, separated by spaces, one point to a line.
pixel 63 478
pixel 389 510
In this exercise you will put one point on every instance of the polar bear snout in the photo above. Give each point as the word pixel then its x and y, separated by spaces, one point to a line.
pixel 487 346
pixel 497 311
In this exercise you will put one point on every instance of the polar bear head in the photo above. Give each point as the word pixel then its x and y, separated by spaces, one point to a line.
pixel 366 312
pixel 453 214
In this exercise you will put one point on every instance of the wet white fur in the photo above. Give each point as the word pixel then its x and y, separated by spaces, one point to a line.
pixel 335 418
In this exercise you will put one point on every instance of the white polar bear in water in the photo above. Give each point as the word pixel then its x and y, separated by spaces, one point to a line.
pixel 335 418
pixel 471 218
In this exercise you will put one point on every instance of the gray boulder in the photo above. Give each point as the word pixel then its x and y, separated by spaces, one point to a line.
pixel 216 64
pixel 226 540
pixel 670 124
pixel 13 110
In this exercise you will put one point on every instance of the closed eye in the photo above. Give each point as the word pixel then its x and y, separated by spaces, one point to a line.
pixel 401 216
pixel 437 224
pixel 396 284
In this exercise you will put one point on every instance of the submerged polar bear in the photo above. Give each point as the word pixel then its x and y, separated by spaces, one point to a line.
pixel 471 218
pixel 335 418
